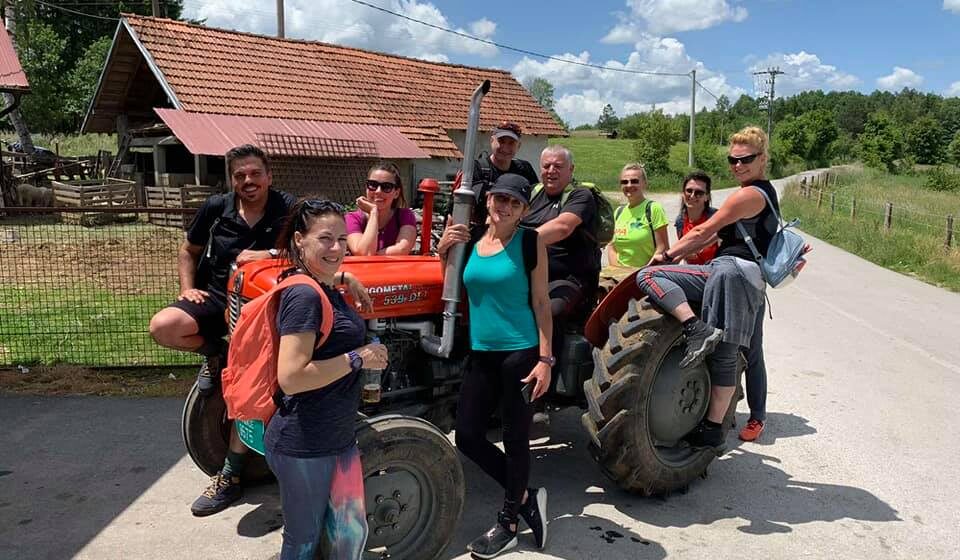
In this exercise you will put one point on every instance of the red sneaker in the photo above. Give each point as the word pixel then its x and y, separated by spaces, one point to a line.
pixel 752 430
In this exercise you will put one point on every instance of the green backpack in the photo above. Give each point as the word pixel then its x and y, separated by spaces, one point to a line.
pixel 603 225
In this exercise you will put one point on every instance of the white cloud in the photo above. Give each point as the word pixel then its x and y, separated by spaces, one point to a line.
pixel 583 91
pixel 953 90
pixel 345 23
pixel 667 16
pixel 952 5
pixel 803 71
pixel 901 78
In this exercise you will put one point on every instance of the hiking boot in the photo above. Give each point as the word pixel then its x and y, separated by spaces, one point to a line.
pixel 498 539
pixel 701 340
pixel 209 377
pixel 222 492
pixel 752 430
pixel 704 436
pixel 534 513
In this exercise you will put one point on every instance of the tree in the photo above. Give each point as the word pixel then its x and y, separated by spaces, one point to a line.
pixel 83 79
pixel 953 150
pixel 41 58
pixel 881 142
pixel 542 91
pixel 654 138
pixel 925 141
pixel 809 136
pixel 608 120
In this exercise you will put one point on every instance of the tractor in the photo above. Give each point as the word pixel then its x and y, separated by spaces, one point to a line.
pixel 621 366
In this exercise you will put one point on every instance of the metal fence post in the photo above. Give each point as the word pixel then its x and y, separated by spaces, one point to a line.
pixel 948 242
pixel 887 215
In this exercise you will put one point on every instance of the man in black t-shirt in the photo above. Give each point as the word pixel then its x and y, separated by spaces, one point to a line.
pixel 504 145
pixel 239 226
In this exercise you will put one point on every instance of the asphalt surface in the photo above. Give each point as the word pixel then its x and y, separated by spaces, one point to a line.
pixel 859 458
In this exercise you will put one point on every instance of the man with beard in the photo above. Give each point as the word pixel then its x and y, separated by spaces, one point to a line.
pixel 239 226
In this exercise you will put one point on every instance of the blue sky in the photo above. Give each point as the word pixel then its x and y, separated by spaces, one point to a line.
pixel 838 45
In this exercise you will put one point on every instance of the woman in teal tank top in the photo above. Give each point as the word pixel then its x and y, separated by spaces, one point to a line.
pixel 510 337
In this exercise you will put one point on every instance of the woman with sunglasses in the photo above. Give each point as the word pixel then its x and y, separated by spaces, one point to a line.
pixel 640 229
pixel 310 443
pixel 695 209
pixel 505 278
pixel 382 225
pixel 730 288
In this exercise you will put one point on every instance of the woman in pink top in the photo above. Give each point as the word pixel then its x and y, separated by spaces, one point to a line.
pixel 382 225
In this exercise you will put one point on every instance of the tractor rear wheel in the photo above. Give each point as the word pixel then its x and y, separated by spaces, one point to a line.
pixel 640 403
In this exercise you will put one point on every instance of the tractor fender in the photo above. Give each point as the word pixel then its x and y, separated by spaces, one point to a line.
pixel 610 309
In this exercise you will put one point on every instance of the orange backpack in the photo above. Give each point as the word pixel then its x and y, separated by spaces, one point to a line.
pixel 250 378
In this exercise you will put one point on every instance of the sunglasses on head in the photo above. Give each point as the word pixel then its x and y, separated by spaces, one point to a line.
pixel 694 192
pixel 384 187
pixel 744 160
pixel 630 181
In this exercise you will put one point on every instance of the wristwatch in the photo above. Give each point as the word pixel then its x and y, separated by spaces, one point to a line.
pixel 273 253
pixel 549 360
pixel 356 362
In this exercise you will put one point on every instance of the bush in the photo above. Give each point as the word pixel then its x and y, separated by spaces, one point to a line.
pixel 942 180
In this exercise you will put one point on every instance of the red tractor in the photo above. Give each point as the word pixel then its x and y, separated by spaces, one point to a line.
pixel 621 366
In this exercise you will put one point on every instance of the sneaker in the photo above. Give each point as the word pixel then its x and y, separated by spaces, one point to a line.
pixel 498 539
pixel 222 492
pixel 534 513
pixel 209 377
pixel 704 436
pixel 752 430
pixel 701 340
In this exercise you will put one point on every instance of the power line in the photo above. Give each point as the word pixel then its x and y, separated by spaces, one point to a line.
pixel 515 49
pixel 68 10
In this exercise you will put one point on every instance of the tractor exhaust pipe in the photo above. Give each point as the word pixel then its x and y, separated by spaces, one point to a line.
pixel 463 201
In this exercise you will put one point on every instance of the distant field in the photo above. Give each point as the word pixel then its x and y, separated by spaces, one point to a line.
pixel 599 160
pixel 914 244
pixel 72 145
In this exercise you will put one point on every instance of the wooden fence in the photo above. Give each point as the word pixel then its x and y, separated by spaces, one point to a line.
pixel 107 193
pixel 186 196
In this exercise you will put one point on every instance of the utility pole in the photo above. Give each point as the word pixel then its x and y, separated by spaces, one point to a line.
pixel 16 118
pixel 693 115
pixel 280 32
pixel 156 8
pixel 772 80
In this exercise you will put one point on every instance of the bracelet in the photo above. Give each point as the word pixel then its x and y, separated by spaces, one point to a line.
pixel 666 256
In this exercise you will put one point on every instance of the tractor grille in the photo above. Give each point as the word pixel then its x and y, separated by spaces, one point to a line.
pixel 234 303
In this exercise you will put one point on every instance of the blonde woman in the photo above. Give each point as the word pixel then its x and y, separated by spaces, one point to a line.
pixel 640 229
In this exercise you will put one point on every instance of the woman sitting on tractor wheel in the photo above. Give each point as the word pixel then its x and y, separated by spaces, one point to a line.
pixel 382 224
pixel 310 442
pixel 510 337
pixel 731 288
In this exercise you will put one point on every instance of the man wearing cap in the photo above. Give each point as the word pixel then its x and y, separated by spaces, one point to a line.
pixel 504 145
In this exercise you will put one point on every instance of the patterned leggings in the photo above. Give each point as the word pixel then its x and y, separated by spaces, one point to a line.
pixel 321 494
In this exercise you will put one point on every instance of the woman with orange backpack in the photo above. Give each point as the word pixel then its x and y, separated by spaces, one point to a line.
pixel 310 443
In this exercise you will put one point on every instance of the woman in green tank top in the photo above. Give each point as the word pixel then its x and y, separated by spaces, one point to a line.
pixel 510 337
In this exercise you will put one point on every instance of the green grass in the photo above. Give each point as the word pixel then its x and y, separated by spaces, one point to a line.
pixel 72 145
pixel 914 244
pixel 46 326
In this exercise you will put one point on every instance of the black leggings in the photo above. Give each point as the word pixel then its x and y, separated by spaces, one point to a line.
pixel 494 378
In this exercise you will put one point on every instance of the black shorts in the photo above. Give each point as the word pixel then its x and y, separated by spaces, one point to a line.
pixel 209 315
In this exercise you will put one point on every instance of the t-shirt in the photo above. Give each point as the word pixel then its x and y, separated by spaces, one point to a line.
pixel 632 237
pixel 761 228
pixel 577 255
pixel 707 253
pixel 320 422
pixel 498 297
pixel 485 174
pixel 357 222
pixel 218 222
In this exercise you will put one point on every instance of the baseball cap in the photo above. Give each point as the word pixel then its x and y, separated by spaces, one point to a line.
pixel 513 185
pixel 507 128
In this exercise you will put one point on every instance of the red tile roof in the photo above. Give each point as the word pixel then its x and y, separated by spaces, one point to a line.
pixel 12 77
pixel 213 134
pixel 227 72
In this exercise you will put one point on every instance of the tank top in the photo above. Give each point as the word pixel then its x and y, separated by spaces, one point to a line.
pixel 498 297
pixel 761 227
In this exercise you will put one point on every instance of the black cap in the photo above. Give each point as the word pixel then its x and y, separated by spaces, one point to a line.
pixel 513 185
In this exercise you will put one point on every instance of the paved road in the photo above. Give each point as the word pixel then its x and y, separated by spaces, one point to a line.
pixel 858 461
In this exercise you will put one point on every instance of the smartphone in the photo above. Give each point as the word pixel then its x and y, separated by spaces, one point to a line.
pixel 527 391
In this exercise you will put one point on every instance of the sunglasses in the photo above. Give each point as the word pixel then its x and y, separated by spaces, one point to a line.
pixel 743 160
pixel 694 192
pixel 630 181
pixel 384 187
